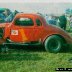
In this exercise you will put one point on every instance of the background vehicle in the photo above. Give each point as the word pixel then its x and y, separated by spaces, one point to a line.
pixel 6 15
pixel 2 14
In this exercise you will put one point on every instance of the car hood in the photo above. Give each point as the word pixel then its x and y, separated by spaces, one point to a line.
pixel 2 25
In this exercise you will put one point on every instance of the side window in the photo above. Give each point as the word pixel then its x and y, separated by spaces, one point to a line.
pixel 24 22
pixel 38 22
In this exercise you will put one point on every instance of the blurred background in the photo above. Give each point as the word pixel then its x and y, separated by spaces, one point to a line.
pixel 52 12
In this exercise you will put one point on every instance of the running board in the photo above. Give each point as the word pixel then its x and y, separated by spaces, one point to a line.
pixel 26 44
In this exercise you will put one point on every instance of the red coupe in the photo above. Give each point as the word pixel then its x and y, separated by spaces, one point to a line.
pixel 32 29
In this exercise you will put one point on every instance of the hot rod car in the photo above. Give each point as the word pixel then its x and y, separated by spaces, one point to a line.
pixel 32 29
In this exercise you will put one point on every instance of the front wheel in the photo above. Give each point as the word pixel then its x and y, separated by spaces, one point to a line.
pixel 3 48
pixel 53 44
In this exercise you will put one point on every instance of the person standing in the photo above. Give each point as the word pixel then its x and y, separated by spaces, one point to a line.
pixel 62 22
pixel 52 20
pixel 70 22
pixel 4 15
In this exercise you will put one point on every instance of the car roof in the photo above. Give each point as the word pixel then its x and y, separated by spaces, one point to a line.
pixel 31 16
pixel 27 14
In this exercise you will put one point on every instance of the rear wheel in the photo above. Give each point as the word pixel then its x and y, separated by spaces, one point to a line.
pixel 53 44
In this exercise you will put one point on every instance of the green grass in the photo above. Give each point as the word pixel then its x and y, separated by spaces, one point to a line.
pixel 30 60
pixel 34 61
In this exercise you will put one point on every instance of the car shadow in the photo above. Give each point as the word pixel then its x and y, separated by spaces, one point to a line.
pixel 42 49
pixel 34 48
pixel 67 50
pixel 18 53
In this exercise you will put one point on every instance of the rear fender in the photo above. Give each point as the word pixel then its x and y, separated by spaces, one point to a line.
pixel 54 34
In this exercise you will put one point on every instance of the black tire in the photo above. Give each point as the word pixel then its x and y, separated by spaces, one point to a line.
pixel 53 44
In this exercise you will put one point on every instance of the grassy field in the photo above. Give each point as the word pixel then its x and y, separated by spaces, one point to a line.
pixel 23 61
pixel 34 60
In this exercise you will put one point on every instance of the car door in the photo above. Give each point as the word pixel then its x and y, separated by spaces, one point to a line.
pixel 38 30
pixel 22 30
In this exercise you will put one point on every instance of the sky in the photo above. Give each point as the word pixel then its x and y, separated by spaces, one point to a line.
pixel 34 6
pixel 37 1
